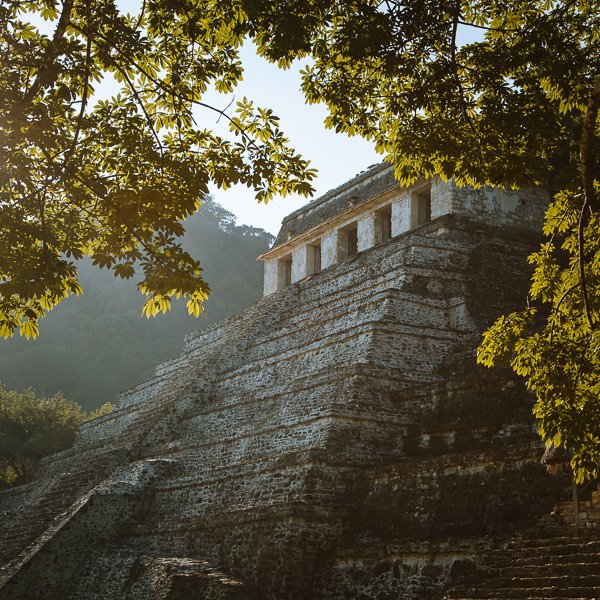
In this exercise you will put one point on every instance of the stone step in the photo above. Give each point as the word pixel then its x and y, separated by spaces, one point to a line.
pixel 587 525
pixel 547 562
pixel 534 593
pixel 557 559
pixel 580 569
pixel 361 280
pixel 589 512
pixel 550 580
pixel 546 548
pixel 30 523
pixel 298 315
pixel 559 537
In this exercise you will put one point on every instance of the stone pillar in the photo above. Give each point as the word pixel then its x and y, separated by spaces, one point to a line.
pixel 442 197
pixel 366 230
pixel 299 263
pixel 270 276
pixel 329 249
pixel 401 214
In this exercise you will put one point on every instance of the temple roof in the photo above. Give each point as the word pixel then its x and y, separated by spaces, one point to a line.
pixel 375 180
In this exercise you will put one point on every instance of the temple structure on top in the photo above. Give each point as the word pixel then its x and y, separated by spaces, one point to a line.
pixel 372 208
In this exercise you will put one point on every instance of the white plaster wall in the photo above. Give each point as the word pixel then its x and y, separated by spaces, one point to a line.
pixel 442 197
pixel 494 206
pixel 401 214
pixel 497 206
pixel 329 250
pixel 270 276
pixel 366 231
pixel 299 263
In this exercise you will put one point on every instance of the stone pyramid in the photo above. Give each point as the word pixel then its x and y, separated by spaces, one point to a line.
pixel 334 440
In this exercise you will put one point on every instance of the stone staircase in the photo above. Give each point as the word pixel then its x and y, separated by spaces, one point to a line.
pixel 96 517
pixel 551 561
pixel 18 529
pixel 125 574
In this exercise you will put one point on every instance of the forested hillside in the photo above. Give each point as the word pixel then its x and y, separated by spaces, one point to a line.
pixel 93 346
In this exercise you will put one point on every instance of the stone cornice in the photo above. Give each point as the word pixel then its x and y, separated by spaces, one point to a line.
pixel 284 248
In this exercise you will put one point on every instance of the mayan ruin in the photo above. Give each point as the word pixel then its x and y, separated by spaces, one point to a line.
pixel 334 441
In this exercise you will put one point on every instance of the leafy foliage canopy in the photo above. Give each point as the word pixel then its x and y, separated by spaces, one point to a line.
pixel 114 178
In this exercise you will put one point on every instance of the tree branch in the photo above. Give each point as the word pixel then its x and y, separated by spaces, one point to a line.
pixel 586 148
pixel 168 89
pixel 142 106
pixel 453 48
pixel 141 15
pixel 581 263
pixel 590 200
pixel 84 95
pixel 485 28
pixel 463 102
pixel 52 51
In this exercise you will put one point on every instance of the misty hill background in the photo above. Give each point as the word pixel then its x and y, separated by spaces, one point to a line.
pixel 94 346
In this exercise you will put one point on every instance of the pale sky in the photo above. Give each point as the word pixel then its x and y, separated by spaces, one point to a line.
pixel 336 156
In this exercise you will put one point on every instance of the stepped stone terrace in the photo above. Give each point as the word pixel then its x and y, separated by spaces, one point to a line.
pixel 335 440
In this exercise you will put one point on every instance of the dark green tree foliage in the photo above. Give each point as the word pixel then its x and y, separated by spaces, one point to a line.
pixel 554 342
pixel 95 346
pixel 31 428
pixel 519 107
pixel 114 179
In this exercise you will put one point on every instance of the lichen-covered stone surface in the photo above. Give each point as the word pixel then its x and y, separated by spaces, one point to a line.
pixel 333 441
